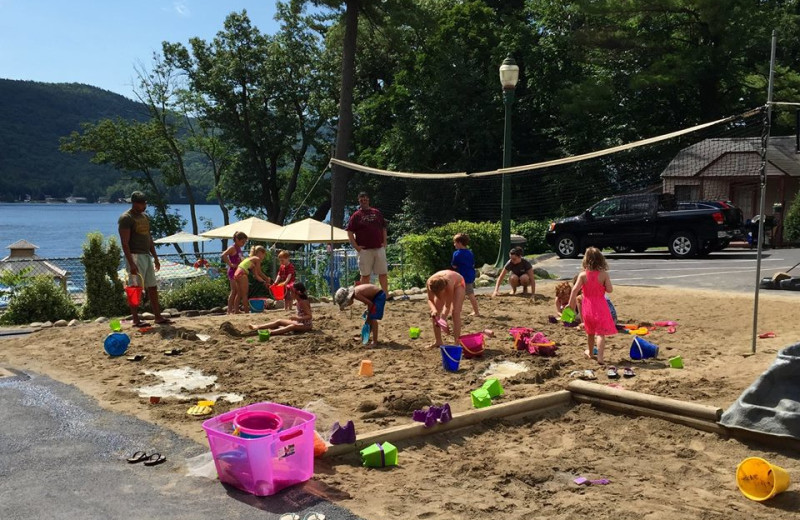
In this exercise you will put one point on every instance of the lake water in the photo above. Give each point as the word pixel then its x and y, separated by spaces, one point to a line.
pixel 60 229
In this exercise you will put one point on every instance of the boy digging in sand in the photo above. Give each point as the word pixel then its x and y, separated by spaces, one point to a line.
pixel 370 295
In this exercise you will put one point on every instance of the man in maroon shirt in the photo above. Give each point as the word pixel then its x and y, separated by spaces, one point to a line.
pixel 367 233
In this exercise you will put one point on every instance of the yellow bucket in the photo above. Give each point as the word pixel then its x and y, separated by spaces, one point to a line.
pixel 759 480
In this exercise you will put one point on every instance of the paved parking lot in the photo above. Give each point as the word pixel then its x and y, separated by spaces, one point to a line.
pixel 732 269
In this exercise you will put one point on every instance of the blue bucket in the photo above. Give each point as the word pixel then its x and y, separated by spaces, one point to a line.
pixel 257 305
pixel 451 357
pixel 116 343
pixel 643 349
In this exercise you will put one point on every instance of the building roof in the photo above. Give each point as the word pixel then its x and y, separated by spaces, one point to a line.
pixel 735 157
pixel 22 244
pixel 39 267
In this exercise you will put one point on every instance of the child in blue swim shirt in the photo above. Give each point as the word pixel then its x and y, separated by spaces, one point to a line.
pixel 464 263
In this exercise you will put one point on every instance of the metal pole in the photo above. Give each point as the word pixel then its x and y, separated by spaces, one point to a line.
pixel 505 222
pixel 763 173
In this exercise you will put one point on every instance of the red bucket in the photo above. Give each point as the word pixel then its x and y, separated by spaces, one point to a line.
pixel 278 291
pixel 473 344
pixel 134 292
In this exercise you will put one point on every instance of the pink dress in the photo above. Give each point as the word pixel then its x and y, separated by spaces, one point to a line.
pixel 594 309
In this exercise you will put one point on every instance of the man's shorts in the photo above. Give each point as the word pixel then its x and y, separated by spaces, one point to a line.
pixel 144 262
pixel 379 302
pixel 469 288
pixel 372 261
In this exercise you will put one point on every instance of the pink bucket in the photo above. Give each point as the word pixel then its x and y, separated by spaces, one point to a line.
pixel 473 344
pixel 257 423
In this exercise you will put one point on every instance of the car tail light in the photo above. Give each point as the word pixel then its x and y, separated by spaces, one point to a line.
pixel 718 218
pixel 552 226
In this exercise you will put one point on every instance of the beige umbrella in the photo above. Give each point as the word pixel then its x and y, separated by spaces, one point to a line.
pixel 308 231
pixel 255 229
pixel 181 237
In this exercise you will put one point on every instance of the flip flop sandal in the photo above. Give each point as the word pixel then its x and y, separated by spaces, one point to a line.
pixel 671 329
pixel 154 459
pixel 137 357
pixel 199 411
pixel 141 325
pixel 165 322
pixel 628 372
pixel 289 516
pixel 172 352
pixel 612 373
pixel 767 335
pixel 588 375
pixel 139 456
pixel 313 515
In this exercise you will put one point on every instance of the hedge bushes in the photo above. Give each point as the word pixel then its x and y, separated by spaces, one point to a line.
pixel 426 253
pixel 202 293
pixel 105 295
pixel 40 300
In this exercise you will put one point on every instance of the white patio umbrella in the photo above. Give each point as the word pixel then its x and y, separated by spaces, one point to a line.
pixel 308 231
pixel 254 227
pixel 181 237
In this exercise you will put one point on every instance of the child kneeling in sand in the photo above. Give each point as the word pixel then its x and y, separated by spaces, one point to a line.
pixel 446 292
pixel 299 323
pixel 370 295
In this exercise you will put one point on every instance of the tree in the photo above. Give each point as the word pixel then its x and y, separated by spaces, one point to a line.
pixel 269 96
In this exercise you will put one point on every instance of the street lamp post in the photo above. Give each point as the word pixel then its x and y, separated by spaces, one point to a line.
pixel 509 75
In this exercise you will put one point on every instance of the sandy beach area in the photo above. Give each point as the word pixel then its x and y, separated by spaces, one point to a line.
pixel 509 469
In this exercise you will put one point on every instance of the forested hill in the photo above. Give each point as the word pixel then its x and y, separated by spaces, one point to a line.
pixel 33 117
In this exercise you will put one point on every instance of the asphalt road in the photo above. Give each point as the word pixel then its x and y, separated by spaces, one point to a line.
pixel 62 456
pixel 730 270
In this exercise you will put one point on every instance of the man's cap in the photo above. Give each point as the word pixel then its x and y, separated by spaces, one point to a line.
pixel 343 296
pixel 138 196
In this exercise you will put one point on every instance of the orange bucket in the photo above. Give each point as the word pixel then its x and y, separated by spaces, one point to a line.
pixel 278 291
pixel 134 292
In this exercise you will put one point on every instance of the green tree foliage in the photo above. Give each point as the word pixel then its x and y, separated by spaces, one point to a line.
pixel 41 300
pixel 791 223
pixel 271 98
pixel 104 291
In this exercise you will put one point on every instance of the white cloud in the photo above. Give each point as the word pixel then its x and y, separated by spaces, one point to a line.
pixel 181 8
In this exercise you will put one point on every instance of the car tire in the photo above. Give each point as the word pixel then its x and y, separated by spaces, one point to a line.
pixel 683 244
pixel 567 246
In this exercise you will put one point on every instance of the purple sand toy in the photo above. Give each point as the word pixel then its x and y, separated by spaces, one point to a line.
pixel 430 419
pixel 585 481
pixel 419 415
pixel 446 415
pixel 552 319
pixel 343 434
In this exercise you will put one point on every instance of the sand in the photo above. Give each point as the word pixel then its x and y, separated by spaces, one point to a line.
pixel 504 469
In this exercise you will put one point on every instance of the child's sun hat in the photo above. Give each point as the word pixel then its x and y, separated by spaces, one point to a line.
pixel 344 297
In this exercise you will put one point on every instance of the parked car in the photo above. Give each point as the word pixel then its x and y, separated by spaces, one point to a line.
pixel 637 222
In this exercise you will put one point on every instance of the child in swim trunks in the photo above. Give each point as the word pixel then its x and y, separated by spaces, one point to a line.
pixel 370 295
pixel 446 293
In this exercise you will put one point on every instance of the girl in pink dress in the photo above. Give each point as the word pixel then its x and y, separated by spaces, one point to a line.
pixel 594 282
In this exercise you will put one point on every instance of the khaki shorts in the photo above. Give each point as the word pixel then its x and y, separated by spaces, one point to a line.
pixel 469 288
pixel 144 262
pixel 372 261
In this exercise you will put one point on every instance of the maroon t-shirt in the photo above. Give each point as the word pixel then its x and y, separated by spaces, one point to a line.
pixel 367 225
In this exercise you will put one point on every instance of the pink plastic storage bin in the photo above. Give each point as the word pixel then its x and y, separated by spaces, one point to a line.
pixel 264 465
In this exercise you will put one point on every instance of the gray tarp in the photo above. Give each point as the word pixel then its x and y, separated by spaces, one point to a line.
pixel 772 403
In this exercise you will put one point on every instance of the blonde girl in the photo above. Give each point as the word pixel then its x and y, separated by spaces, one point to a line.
pixel 446 292
pixel 232 257
pixel 299 323
pixel 594 283
pixel 253 264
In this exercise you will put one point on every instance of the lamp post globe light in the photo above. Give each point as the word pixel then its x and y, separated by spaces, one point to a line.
pixel 509 75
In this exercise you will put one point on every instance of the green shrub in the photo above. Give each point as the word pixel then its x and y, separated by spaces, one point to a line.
pixel 199 294
pixel 533 231
pixel 791 223
pixel 105 294
pixel 40 300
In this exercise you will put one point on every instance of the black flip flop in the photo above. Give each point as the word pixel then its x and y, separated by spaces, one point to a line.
pixel 141 324
pixel 173 352
pixel 612 372
pixel 139 456
pixel 165 322
pixel 628 372
pixel 155 458
pixel 137 357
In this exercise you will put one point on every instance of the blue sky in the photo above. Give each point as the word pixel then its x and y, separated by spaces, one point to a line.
pixel 99 42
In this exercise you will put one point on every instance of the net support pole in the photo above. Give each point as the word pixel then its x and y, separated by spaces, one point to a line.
pixel 763 174
pixel 505 221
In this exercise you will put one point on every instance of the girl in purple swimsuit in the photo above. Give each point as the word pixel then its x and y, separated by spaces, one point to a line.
pixel 232 258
